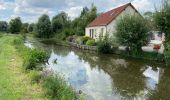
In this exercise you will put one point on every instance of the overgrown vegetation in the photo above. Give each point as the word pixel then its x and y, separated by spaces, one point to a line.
pixel 104 44
pixel 57 88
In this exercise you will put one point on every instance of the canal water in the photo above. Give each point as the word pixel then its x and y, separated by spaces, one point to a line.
pixel 109 77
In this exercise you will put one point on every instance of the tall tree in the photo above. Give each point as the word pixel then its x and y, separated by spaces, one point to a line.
pixel 162 20
pixel 60 21
pixel 30 27
pixel 44 28
pixel 24 27
pixel 15 25
pixel 3 26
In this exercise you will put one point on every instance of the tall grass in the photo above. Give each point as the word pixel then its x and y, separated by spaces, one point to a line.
pixel 57 88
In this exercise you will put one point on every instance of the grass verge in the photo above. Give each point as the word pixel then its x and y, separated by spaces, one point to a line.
pixel 14 84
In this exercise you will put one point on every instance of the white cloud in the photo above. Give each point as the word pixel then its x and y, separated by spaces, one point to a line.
pixel 30 10
pixel 144 5
pixel 74 12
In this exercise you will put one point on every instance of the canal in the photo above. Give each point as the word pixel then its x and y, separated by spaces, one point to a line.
pixel 108 77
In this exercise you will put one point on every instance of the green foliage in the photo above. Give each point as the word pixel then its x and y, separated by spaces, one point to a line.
pixel 30 27
pixel 57 88
pixel 24 28
pixel 79 40
pixel 3 26
pixel 60 21
pixel 104 44
pixel 44 28
pixel 86 17
pixel 15 25
pixel 91 42
pixel 162 18
pixel 132 32
pixel 34 58
pixel 35 76
pixel 84 39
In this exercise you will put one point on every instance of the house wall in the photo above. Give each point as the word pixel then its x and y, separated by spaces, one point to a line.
pixel 110 28
pixel 97 31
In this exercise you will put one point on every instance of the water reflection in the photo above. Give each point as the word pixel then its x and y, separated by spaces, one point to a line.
pixel 28 44
pixel 110 77
pixel 153 76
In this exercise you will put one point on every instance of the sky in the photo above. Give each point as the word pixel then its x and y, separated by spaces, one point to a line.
pixel 31 10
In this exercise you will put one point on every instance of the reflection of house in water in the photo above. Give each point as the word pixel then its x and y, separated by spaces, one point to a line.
pixel 153 77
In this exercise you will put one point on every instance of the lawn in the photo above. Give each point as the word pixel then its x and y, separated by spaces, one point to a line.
pixel 14 83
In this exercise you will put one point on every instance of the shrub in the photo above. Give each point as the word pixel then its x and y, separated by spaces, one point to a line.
pixel 91 42
pixel 84 39
pixel 104 45
pixel 57 89
pixel 34 58
pixel 79 40
pixel 35 76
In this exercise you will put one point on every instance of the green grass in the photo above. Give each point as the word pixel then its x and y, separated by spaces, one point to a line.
pixel 14 83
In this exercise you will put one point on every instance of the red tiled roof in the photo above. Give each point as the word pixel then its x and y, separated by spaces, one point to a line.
pixel 108 17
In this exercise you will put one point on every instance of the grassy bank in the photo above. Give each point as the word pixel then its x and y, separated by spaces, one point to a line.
pixel 55 86
pixel 14 84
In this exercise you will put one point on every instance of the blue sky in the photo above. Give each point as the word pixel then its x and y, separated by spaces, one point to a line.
pixel 30 10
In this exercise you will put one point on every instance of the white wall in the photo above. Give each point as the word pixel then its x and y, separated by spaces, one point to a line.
pixel 111 28
pixel 97 31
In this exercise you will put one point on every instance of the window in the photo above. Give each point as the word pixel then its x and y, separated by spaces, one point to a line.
pixel 102 31
pixel 91 33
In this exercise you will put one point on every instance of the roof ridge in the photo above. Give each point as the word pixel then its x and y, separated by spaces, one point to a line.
pixel 109 16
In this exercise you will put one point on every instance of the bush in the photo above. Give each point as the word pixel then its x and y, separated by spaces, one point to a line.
pixel 104 45
pixel 91 42
pixel 79 40
pixel 34 58
pixel 35 76
pixel 57 89
pixel 84 39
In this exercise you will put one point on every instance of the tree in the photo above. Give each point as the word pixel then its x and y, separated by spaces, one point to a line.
pixel 150 20
pixel 132 32
pixel 60 21
pixel 30 27
pixel 24 27
pixel 15 25
pixel 86 17
pixel 162 20
pixel 44 28
pixel 3 26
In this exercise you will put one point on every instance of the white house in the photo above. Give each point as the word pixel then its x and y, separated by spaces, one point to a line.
pixel 106 22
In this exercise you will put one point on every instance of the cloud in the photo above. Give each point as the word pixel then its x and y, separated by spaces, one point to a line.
pixel 30 10
pixel 74 12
